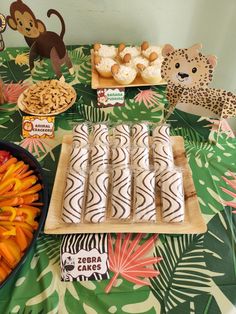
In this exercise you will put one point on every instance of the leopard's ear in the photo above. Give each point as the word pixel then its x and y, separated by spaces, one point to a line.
pixel 167 49
pixel 194 50
pixel 212 60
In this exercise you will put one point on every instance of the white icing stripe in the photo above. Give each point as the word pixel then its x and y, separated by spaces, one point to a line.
pixel 172 196
pixel 120 157
pixel 140 135
pixel 99 158
pixel 140 158
pixel 161 134
pixel 81 135
pixel 74 197
pixel 100 134
pixel 97 197
pixel 121 193
pixel 121 135
pixel 145 207
pixel 79 158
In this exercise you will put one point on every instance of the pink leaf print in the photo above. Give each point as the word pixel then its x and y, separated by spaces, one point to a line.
pixel 127 259
pixel 34 145
pixel 232 184
pixel 224 127
pixel 12 91
pixel 149 97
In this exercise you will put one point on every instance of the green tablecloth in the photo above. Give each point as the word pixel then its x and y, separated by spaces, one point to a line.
pixel 198 272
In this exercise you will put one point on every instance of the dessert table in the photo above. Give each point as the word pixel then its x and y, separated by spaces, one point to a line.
pixel 197 271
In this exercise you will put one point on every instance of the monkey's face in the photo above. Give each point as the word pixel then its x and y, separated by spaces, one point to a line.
pixel 26 24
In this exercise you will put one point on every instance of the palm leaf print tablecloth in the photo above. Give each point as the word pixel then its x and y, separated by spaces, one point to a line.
pixel 197 273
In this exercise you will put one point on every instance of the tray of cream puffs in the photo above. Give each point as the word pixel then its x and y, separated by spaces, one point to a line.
pixel 126 66
pixel 125 177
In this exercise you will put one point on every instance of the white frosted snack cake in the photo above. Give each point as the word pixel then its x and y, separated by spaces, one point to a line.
pixel 103 66
pixel 74 196
pixel 140 135
pixel 105 51
pixel 161 134
pixel 122 74
pixel 80 135
pixel 99 157
pixel 96 205
pixel 100 134
pixel 79 158
pixel 145 204
pixel 140 158
pixel 121 193
pixel 120 157
pixel 121 135
pixel 172 196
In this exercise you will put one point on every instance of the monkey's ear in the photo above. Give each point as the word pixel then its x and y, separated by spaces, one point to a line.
pixel 11 22
pixel 41 26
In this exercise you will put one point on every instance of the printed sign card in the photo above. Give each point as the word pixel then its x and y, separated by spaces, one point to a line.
pixel 84 257
pixel 38 127
pixel 110 97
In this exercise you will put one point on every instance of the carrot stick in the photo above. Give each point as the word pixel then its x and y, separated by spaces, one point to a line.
pixel 6 189
pixel 21 239
pixel 24 175
pixel 31 190
pixel 9 162
pixel 29 199
pixel 14 201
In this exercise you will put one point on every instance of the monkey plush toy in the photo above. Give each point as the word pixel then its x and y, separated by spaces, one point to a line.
pixel 42 43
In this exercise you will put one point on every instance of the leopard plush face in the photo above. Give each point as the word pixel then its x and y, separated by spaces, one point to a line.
pixel 187 68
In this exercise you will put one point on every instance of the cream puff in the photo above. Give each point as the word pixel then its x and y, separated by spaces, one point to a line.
pixel 103 66
pixel 133 51
pixel 105 51
pixel 147 50
pixel 150 74
pixel 122 74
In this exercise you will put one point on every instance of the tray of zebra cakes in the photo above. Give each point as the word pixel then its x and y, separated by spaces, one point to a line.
pixel 126 66
pixel 124 178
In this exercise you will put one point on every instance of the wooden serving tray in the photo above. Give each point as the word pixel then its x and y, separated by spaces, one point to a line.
pixel 193 223
pixel 102 82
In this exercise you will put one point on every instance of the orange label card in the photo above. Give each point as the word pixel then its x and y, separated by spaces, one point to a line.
pixel 38 127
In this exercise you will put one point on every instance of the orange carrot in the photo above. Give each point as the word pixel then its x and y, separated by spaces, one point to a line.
pixel 9 162
pixel 14 201
pixel 29 199
pixel 24 175
pixel 6 189
pixel 27 233
pixel 21 239
pixel 32 190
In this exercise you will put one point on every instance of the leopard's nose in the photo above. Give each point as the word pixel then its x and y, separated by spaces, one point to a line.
pixel 183 75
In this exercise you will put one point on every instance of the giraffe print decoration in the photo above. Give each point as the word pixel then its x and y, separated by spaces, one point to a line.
pixel 188 73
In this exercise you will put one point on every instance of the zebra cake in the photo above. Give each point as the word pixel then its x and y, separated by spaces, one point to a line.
pixel 172 196
pixel 161 134
pixel 80 135
pixel 97 198
pixel 162 159
pixel 140 157
pixel 100 134
pixel 140 135
pixel 121 136
pixel 74 196
pixel 79 158
pixel 120 157
pixel 145 205
pixel 99 157
pixel 121 193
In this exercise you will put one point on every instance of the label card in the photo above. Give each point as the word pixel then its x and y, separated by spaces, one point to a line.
pixel 38 127
pixel 110 97
pixel 84 257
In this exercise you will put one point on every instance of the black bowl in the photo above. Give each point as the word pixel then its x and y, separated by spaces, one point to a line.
pixel 22 154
